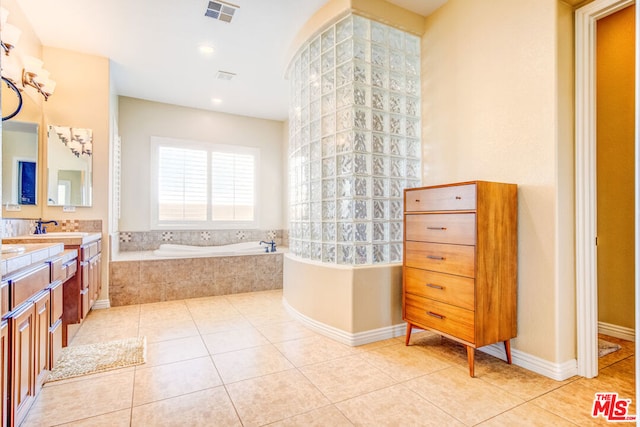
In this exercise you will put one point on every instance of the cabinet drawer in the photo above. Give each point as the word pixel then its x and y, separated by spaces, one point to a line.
pixel 454 321
pixel 458 229
pixel 58 270
pixel 455 290
pixel 88 251
pixel 451 198
pixel 70 269
pixel 24 287
pixel 452 259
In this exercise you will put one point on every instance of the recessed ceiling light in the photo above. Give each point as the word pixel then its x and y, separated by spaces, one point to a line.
pixel 207 50
pixel 216 100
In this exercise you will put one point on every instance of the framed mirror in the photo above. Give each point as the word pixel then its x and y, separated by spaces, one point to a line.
pixel 19 163
pixel 69 163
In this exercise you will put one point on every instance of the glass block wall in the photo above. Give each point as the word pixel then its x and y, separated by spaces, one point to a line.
pixel 354 132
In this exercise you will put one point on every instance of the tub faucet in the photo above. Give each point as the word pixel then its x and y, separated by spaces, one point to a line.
pixel 40 229
pixel 271 246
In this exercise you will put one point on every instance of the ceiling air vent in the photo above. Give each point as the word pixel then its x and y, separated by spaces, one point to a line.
pixel 220 10
pixel 225 75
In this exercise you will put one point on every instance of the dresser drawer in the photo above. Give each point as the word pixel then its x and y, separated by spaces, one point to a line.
pixel 445 318
pixel 452 259
pixel 442 228
pixel 447 288
pixel 451 198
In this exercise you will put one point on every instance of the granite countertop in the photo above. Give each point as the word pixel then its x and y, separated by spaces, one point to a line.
pixel 32 253
pixel 73 238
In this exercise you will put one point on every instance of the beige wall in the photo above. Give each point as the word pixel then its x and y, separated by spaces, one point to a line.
pixel 615 167
pixel 139 120
pixel 81 99
pixel 495 79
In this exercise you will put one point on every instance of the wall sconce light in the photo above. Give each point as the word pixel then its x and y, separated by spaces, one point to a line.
pixel 9 34
pixel 37 77
pixel 30 73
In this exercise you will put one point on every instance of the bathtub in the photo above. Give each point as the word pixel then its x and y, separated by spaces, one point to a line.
pixel 174 272
pixel 168 250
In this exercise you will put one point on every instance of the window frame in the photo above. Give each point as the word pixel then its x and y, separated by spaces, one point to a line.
pixel 210 147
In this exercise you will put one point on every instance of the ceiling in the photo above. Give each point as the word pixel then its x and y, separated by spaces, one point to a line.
pixel 154 47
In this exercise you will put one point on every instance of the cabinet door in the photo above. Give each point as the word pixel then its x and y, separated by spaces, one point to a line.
pixel 21 329
pixel 93 281
pixel 4 365
pixel 57 301
pixel 42 303
pixel 98 276
pixel 55 342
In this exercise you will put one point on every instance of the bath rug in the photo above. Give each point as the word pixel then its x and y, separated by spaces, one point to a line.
pixel 75 361
pixel 606 347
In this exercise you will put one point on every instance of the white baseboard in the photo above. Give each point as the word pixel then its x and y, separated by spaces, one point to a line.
pixel 348 338
pixel 556 371
pixel 617 331
pixel 101 304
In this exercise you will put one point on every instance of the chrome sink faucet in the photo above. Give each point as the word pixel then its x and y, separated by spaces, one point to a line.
pixel 271 246
pixel 40 228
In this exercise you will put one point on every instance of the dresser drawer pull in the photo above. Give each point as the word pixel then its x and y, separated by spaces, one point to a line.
pixel 437 228
pixel 431 285
pixel 438 258
pixel 432 314
pixel 458 198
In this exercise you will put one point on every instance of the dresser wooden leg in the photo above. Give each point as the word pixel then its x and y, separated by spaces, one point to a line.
pixel 507 349
pixel 408 334
pixel 470 359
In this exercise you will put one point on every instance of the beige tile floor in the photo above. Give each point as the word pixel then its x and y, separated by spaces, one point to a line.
pixel 241 360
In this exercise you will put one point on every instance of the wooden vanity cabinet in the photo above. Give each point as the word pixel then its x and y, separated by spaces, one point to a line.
pixel 460 263
pixel 31 301
pixel 81 292
pixel 27 317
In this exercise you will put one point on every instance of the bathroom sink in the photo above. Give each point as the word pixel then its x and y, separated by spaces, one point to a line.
pixel 62 234
pixel 12 249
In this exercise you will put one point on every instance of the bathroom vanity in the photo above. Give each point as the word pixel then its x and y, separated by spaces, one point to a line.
pixel 85 278
pixel 31 331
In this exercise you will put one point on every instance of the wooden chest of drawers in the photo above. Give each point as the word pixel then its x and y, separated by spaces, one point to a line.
pixel 460 263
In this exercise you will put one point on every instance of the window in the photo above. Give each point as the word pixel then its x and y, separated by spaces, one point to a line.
pixel 200 185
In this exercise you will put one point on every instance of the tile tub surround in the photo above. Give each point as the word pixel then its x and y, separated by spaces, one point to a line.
pixel 150 240
pixel 154 280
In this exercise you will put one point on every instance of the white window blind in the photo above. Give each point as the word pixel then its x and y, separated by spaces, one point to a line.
pixel 199 184
pixel 232 189
pixel 182 183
